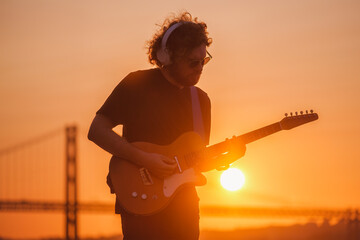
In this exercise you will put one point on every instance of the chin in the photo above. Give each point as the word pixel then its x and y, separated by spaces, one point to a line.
pixel 192 81
pixel 187 81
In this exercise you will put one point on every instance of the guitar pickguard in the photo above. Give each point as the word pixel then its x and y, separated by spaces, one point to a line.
pixel 176 180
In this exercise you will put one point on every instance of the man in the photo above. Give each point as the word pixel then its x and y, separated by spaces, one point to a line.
pixel 155 106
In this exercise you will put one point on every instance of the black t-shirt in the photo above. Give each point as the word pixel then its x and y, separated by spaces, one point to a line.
pixel 153 110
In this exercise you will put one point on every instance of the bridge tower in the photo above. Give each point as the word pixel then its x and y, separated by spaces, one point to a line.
pixel 71 202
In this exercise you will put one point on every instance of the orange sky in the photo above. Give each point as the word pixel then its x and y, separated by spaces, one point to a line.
pixel 60 60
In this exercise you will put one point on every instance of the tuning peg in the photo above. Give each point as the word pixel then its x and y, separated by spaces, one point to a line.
pixel 311 111
pixel 296 113
pixel 286 114
pixel 301 112
pixel 291 113
pixel 307 112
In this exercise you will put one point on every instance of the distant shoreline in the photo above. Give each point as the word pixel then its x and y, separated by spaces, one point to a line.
pixel 310 231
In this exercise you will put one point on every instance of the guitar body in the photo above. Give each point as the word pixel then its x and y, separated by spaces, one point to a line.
pixel 139 192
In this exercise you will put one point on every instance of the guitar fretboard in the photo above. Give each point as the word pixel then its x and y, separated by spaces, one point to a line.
pixel 249 137
pixel 260 133
pixel 222 148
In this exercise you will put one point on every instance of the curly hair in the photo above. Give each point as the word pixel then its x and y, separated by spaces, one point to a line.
pixel 182 40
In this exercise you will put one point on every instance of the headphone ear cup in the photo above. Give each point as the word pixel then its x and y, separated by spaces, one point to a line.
pixel 163 56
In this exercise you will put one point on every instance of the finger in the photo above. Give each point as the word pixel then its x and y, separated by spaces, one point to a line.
pixel 163 165
pixel 169 167
pixel 169 160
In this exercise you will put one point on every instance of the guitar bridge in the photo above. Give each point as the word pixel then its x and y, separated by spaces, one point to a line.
pixel 145 176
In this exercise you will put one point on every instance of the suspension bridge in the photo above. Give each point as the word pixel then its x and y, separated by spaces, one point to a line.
pixel 41 175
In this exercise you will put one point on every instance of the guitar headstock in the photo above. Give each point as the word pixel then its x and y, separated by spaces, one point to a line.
pixel 293 120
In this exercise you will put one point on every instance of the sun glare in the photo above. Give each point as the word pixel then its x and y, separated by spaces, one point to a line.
pixel 232 179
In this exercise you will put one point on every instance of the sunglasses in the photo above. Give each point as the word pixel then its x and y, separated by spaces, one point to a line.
pixel 195 63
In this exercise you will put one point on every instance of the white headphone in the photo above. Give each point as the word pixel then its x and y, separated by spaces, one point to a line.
pixel 162 54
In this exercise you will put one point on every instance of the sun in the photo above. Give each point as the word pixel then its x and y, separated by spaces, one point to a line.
pixel 232 179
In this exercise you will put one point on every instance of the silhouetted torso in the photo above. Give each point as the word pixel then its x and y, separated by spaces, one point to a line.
pixel 153 110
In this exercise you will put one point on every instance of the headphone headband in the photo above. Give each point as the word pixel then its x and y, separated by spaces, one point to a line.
pixel 162 54
pixel 168 32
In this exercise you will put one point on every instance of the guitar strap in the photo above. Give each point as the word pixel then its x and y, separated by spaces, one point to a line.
pixel 197 115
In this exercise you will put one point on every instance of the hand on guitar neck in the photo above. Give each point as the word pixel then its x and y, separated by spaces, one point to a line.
pixel 236 149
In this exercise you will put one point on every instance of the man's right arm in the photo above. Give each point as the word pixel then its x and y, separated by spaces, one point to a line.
pixel 102 134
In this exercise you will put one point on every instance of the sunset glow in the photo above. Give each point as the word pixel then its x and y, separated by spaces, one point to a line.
pixel 232 179
pixel 60 60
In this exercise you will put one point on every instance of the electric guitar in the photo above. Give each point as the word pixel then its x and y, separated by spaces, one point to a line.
pixel 141 193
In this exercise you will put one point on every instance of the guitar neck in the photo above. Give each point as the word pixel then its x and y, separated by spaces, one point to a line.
pixel 249 137
pixel 260 133
pixel 287 123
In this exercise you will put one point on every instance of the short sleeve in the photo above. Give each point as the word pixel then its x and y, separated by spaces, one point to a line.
pixel 117 106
